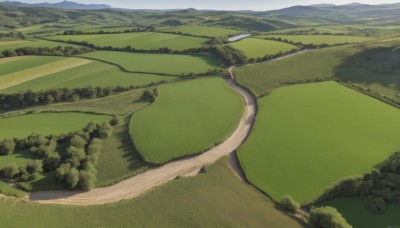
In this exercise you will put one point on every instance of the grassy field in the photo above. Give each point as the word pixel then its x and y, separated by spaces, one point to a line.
pixel 18 157
pixel 186 119
pixel 261 78
pixel 303 133
pixel 314 30
pixel 140 40
pixel 93 73
pixel 354 211
pixel 321 39
pixel 46 123
pixel 257 48
pixel 214 199
pixel 158 63
pixel 11 45
pixel 7 190
pixel 199 30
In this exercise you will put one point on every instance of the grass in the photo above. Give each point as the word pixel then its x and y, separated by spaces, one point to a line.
pixel 118 158
pixel 45 182
pixel 15 64
pixel 214 199
pixel 46 123
pixel 262 78
pixel 8 190
pixel 304 133
pixel 199 30
pixel 158 63
pixel 257 48
pixel 139 40
pixel 188 118
pixel 32 43
pixel 18 157
pixel 19 77
pixel 93 73
pixel 321 39
pixel 354 211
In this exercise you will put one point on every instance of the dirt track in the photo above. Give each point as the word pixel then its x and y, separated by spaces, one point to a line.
pixel 155 177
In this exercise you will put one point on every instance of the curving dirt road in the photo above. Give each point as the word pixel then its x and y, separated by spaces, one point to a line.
pixel 152 178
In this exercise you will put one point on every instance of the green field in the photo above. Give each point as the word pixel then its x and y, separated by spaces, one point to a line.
pixel 158 63
pixel 258 48
pixel 199 30
pixel 354 211
pixel 140 40
pixel 46 123
pixel 188 118
pixel 18 157
pixel 321 39
pixel 214 199
pixel 261 78
pixel 11 45
pixel 50 76
pixel 304 133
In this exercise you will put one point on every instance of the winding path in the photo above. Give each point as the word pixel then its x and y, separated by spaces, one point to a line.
pixel 139 184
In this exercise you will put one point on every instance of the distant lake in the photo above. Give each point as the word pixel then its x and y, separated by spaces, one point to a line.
pixel 238 37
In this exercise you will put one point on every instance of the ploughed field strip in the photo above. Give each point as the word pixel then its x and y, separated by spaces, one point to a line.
pixel 308 136
pixel 158 63
pixel 139 40
pixel 257 48
pixel 46 123
pixel 188 118
pixel 42 73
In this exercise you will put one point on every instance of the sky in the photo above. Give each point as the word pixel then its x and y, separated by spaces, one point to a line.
pixel 259 5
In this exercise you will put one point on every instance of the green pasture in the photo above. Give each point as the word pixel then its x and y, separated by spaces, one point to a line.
pixel 158 63
pixel 12 45
pixel 261 78
pixel 18 157
pixel 15 64
pixel 94 74
pixel 309 30
pixel 355 212
pixel 213 199
pixel 209 31
pixel 303 133
pixel 257 48
pixel 321 39
pixel 139 40
pixel 187 118
pixel 46 123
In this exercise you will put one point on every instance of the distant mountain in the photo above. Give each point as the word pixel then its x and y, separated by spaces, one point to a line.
pixel 59 5
pixel 323 5
pixel 355 4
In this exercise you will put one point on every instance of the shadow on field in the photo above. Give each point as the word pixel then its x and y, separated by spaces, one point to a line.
pixel 378 65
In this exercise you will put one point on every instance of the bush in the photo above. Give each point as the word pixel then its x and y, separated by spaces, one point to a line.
pixel 72 178
pixel 10 171
pixel 327 217
pixel 78 142
pixel 289 204
pixel 116 120
pixel 7 147
pixel 105 130
pixel 376 205
pixel 34 166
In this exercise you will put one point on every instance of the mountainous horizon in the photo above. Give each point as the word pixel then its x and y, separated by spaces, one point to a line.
pixel 82 6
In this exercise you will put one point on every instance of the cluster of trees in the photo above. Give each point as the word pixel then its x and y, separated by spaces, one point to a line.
pixel 289 204
pixel 327 217
pixel 46 51
pixel 378 187
pixel 75 167
pixel 150 95
pixel 304 46
pixel 13 35
pixel 138 29
pixel 229 55
pixel 270 57
pixel 31 98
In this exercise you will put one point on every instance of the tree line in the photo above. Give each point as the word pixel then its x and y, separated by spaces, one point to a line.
pixel 19 35
pixel 46 51
pixel 378 187
pixel 31 98
pixel 74 167
pixel 133 30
